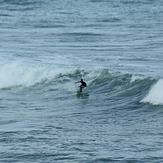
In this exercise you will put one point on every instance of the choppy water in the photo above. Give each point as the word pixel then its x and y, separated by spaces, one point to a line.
pixel 115 46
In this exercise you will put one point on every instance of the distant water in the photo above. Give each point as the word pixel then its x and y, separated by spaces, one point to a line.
pixel 115 46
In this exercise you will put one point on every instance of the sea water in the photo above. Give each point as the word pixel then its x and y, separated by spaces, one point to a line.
pixel 115 46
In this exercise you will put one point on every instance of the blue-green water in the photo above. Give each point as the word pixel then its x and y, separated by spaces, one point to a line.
pixel 115 46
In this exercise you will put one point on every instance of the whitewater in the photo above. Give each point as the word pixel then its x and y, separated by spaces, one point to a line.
pixel 116 47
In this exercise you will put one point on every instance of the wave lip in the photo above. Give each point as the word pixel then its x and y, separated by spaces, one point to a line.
pixel 155 95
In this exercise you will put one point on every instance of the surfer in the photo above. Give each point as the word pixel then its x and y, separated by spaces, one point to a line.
pixel 83 84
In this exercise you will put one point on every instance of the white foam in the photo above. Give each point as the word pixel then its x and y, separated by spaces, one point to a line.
pixel 155 95
pixel 18 73
pixel 25 74
pixel 137 78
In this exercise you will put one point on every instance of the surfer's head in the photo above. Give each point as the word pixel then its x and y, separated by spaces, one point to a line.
pixel 81 80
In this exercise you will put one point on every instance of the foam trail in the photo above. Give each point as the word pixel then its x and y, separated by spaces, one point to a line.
pixel 155 95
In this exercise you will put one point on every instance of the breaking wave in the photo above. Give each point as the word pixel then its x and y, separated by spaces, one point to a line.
pixel 155 95
pixel 100 81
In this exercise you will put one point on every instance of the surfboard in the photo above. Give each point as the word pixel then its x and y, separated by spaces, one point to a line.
pixel 78 92
pixel 83 95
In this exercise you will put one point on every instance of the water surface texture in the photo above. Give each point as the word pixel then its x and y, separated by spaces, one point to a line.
pixel 115 46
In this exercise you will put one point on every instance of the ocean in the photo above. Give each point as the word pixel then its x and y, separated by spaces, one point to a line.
pixel 116 47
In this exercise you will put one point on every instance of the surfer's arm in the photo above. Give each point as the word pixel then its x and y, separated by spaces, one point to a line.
pixel 77 82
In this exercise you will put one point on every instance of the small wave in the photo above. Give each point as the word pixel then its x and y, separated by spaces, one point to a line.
pixel 20 2
pixel 111 20
pixel 139 77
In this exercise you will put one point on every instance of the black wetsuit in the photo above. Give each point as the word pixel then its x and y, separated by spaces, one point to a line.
pixel 83 84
